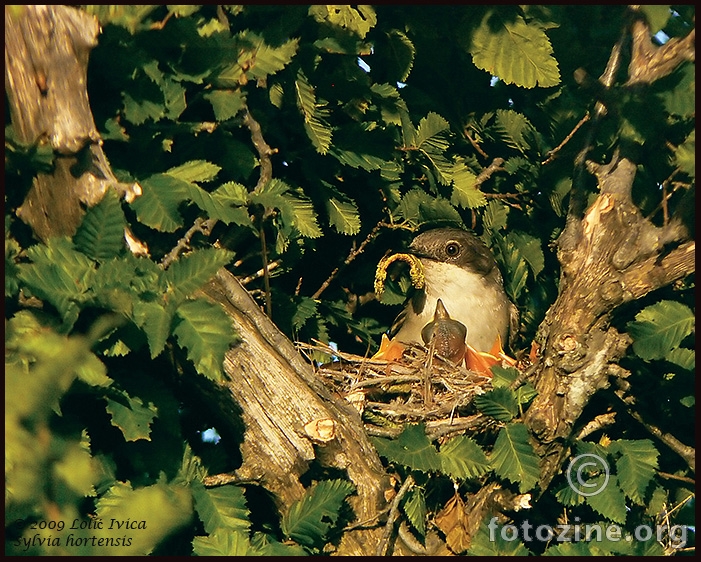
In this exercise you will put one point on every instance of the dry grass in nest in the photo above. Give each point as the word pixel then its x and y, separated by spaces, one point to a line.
pixel 419 387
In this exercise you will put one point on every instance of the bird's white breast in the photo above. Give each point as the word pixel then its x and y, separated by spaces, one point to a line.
pixel 468 297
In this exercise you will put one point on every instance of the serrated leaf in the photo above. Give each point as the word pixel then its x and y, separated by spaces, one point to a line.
pixel 418 207
pixel 415 509
pixel 513 457
pixel 517 52
pixel 189 272
pixel 400 56
pixel 318 130
pixel 660 328
pixel 465 194
pixel 685 358
pixel 155 320
pixel 195 171
pixel 635 467
pixel 499 403
pixel 412 448
pixel 309 519
pixel 343 216
pixel 610 501
pixel 77 469
pixel 58 275
pixel 530 248
pixel 367 162
pixel 685 155
pixel 303 216
pixel 514 129
pixel 101 234
pixel 223 543
pixel 680 99
pixel 358 19
pixel 221 508
pixel 205 330
pixel 430 129
pixel 92 371
pixel 265 60
pixel 169 507
pixel 132 416
pixel 569 549
pixel 463 458
pixel 488 542
pixel 495 215
pixel 157 206
pixel 138 112
pixel 515 264
pixel 226 103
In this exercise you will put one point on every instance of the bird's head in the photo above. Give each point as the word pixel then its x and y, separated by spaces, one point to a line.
pixel 456 246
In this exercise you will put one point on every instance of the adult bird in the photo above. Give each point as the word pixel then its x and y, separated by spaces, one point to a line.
pixel 461 271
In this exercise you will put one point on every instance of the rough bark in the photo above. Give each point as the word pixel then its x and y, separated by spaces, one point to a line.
pixel 280 397
pixel 609 257
pixel 46 60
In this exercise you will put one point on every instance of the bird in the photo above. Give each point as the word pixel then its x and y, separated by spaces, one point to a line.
pixel 446 335
pixel 461 271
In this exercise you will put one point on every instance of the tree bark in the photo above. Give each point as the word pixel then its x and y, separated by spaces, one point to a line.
pixel 283 404
pixel 46 60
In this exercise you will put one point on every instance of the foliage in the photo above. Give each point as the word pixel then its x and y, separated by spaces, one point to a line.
pixel 314 138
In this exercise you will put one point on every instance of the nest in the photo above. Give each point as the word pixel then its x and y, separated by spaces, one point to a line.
pixel 421 386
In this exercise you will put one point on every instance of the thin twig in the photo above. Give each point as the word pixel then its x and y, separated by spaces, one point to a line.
pixel 393 514
pixel 669 476
pixel 484 175
pixel 475 145
pixel 354 253
pixel 258 274
pixel 552 154
pixel 200 225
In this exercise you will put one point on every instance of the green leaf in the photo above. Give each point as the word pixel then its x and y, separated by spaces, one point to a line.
pixel 412 448
pixel 514 129
pixel 264 60
pixel 513 457
pixel 194 171
pixel 610 501
pixel 226 103
pixel 660 328
pixel 132 417
pixel 685 358
pixel 190 271
pixel 685 155
pixel 158 511
pixel 367 162
pixel 415 509
pixel 465 194
pixel 495 215
pixel 158 205
pixel 309 519
pixel 155 320
pixel 530 248
pixel 517 52
pixel 358 19
pixel 499 403
pixel 127 16
pixel 515 264
pixel 302 216
pixel 463 459
pixel 221 508
pixel 657 16
pixel 343 216
pixel 58 275
pixel 418 207
pixel 400 56
pixel 680 98
pixel 569 549
pixel 205 330
pixel 430 129
pixel 101 234
pixel 635 467
pixel 223 542
pixel 318 130
pixel 495 541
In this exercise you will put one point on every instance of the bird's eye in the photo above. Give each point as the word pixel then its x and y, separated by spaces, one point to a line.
pixel 452 249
